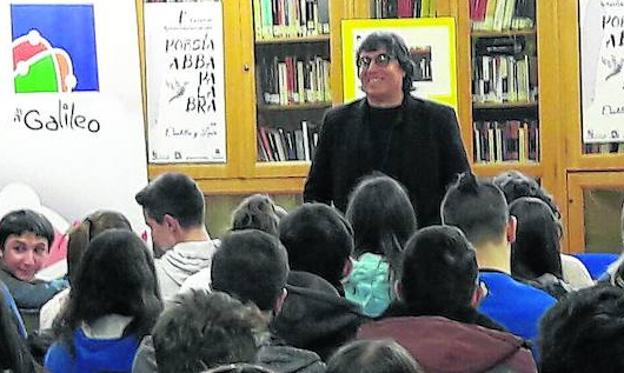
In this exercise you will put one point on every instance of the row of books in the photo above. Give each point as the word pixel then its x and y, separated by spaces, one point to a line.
pixel 295 81
pixel 290 18
pixel 503 78
pixel 603 148
pixel 403 8
pixel 506 141
pixel 276 144
pixel 502 15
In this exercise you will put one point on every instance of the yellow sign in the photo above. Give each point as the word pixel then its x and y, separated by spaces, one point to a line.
pixel 431 42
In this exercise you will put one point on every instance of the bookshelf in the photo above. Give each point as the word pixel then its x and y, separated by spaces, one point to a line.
pixel 508 90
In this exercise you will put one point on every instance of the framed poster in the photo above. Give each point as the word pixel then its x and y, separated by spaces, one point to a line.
pixel 431 42
pixel 71 119
pixel 601 34
pixel 185 82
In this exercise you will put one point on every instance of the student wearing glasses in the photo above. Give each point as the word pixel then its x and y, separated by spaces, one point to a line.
pixel 415 141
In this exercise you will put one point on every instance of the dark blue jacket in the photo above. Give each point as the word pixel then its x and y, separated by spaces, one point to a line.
pixel 92 355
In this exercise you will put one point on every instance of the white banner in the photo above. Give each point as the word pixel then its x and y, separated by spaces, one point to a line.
pixel 71 123
pixel 185 82
pixel 601 31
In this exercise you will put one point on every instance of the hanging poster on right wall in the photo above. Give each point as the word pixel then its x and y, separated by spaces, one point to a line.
pixel 601 33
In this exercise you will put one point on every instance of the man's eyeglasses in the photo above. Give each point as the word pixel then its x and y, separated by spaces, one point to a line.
pixel 381 59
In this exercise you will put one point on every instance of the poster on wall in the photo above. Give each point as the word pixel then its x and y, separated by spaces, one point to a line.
pixel 185 82
pixel 71 121
pixel 601 33
pixel 431 42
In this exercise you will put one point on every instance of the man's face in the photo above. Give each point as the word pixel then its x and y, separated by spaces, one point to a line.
pixel 24 255
pixel 380 74
pixel 162 237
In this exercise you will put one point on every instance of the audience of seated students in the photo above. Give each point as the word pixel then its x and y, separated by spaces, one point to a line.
pixel 174 209
pixel 480 210
pixel 584 332
pixel 318 240
pixel 251 266
pixel 14 354
pixel 435 319
pixel 373 356
pixel 114 301
pixel 25 239
pixel 535 254
pixel 515 185
pixel 383 219
pixel 202 330
pixel 78 237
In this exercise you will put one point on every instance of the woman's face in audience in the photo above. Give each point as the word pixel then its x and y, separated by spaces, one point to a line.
pixel 24 255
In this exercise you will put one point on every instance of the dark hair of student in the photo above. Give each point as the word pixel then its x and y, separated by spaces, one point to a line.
pixel 116 276
pixel 14 354
pixel 515 184
pixel 395 47
pixel 79 236
pixel 318 239
pixel 174 194
pixel 476 207
pixel 536 250
pixel 202 330
pixel 19 222
pixel 439 273
pixel 382 217
pixel 252 266
pixel 256 212
pixel 584 332
pixel 373 356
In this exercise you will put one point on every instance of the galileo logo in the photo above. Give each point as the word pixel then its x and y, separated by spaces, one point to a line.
pixel 54 48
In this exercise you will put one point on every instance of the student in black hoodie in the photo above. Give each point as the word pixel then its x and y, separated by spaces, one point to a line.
pixel 318 240
pixel 315 317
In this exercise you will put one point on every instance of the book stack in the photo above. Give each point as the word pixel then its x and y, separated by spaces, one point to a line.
pixel 403 8
pixel 506 141
pixel 502 15
pixel 604 148
pixel 277 144
pixel 295 81
pixel 499 78
pixel 290 18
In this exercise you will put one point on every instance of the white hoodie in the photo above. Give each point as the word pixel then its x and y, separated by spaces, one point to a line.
pixel 182 261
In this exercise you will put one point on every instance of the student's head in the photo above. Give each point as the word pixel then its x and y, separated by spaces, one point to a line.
pixel 172 203
pixel 536 248
pixel 384 54
pixel 79 236
pixel 584 332
pixel 439 272
pixel 382 217
pixel 202 330
pixel 479 209
pixel 515 184
pixel 373 356
pixel 25 239
pixel 256 212
pixel 318 239
pixel 116 276
pixel 252 266
pixel 14 354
